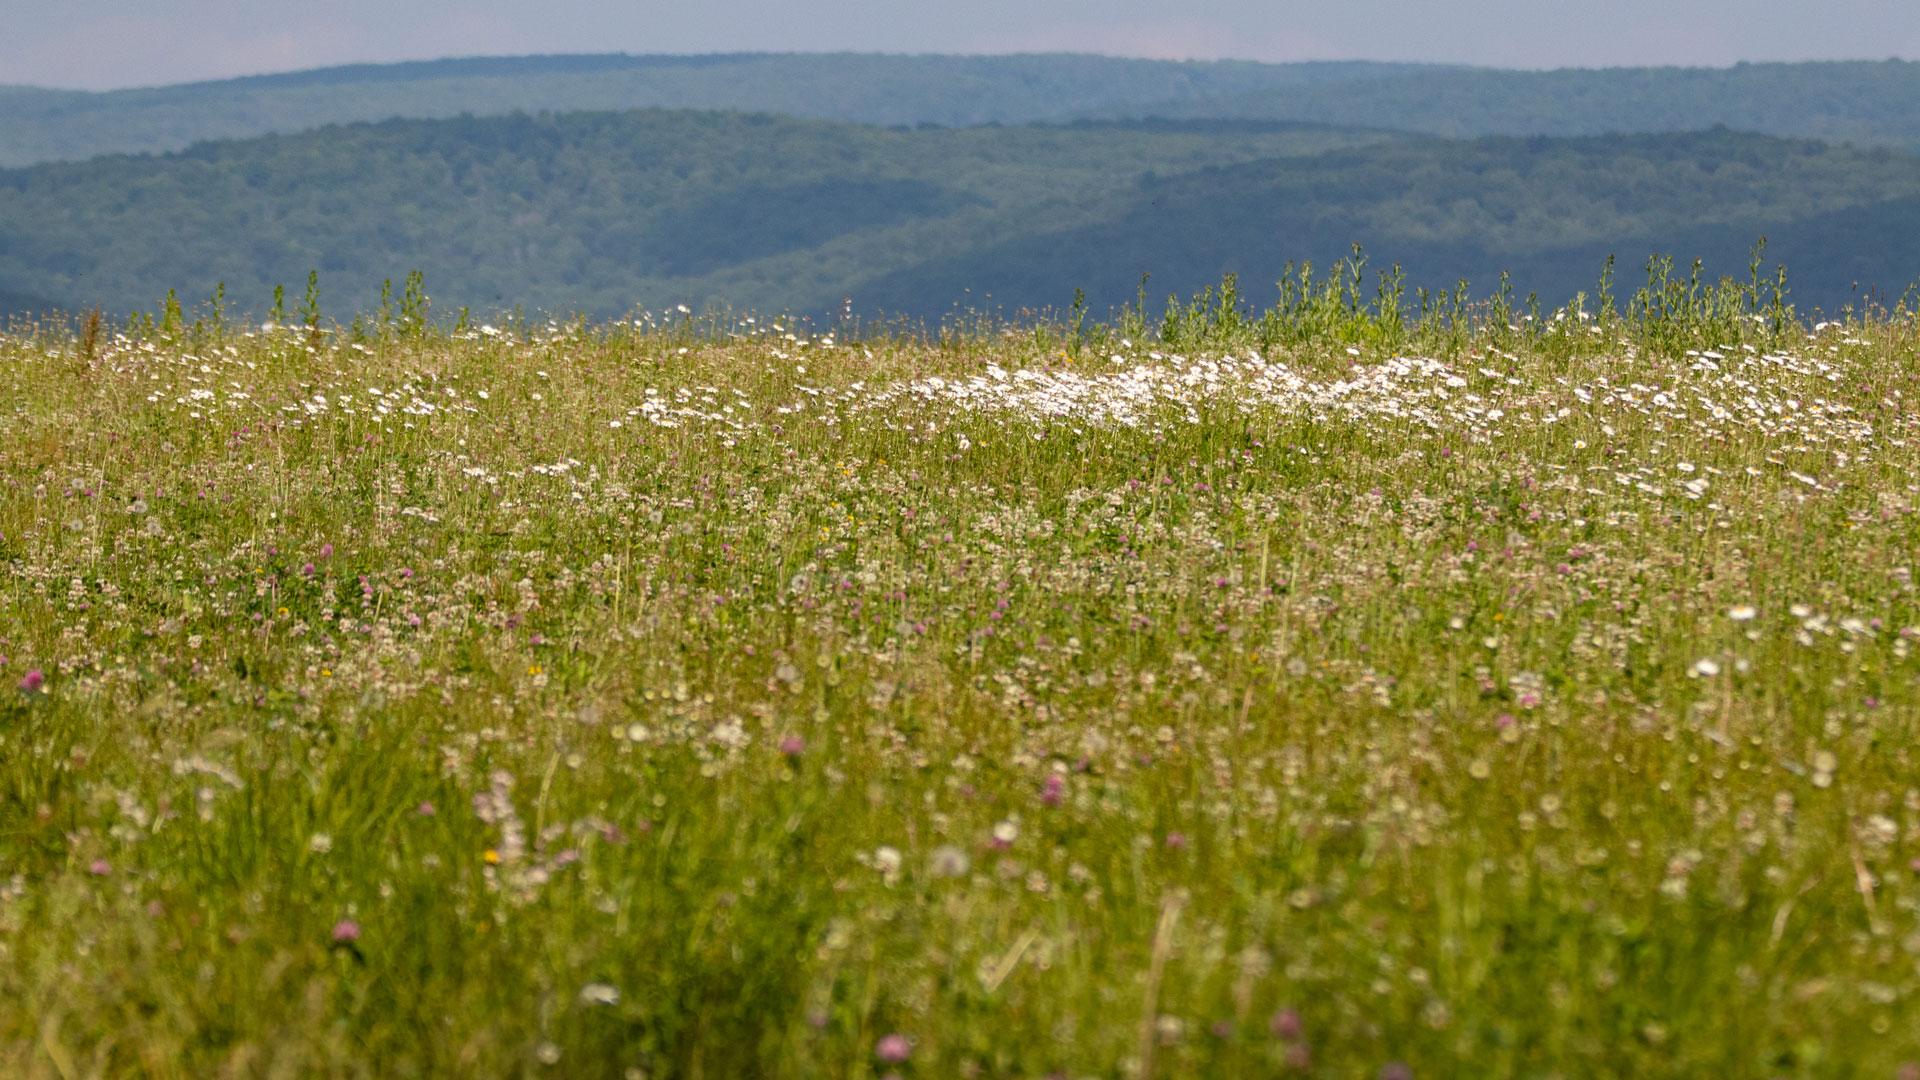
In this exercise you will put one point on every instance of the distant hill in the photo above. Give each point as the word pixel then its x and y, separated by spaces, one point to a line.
pixel 594 211
pixel 1866 102
pixel 1547 211
pixel 600 212
pixel 49 125
pixel 14 304
pixel 1870 103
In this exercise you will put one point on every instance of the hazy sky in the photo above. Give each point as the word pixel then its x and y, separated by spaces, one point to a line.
pixel 99 44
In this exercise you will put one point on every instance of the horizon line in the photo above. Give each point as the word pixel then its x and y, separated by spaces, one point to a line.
pixel 624 59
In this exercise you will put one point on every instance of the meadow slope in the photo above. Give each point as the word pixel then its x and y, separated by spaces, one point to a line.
pixel 1323 697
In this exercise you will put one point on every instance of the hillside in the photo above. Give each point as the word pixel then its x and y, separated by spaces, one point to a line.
pixel 595 211
pixel 1548 211
pixel 1873 103
pixel 600 212
pixel 13 304
pixel 48 125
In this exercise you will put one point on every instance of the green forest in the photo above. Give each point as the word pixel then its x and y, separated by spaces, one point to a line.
pixel 1874 103
pixel 1548 213
pixel 606 212
pixel 53 125
pixel 591 211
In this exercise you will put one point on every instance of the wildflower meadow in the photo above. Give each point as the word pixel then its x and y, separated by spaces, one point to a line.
pixel 1339 691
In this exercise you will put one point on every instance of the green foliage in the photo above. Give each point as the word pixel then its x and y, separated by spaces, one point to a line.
pixel 216 318
pixel 1544 212
pixel 1864 102
pixel 45 125
pixel 414 305
pixel 594 212
pixel 1861 102
pixel 1669 316
pixel 173 320
pixel 310 309
pixel 601 213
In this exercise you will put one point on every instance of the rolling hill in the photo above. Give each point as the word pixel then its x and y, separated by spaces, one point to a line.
pixel 603 212
pixel 1874 103
pixel 1871 103
pixel 13 304
pixel 1547 211
pixel 39 125
pixel 595 211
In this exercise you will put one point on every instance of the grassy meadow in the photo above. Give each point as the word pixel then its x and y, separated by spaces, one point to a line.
pixel 1324 694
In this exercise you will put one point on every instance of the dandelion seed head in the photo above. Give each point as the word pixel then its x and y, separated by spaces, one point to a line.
pixel 948 861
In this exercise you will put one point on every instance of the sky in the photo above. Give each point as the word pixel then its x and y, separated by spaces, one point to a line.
pixel 107 44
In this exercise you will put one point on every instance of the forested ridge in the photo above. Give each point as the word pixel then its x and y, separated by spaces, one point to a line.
pixel 604 212
pixel 49 125
pixel 1875 103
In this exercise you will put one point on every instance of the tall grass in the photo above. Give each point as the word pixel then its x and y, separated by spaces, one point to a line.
pixel 1470 690
pixel 1668 314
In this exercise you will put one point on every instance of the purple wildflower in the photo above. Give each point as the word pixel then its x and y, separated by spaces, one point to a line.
pixel 1054 790
pixel 893 1048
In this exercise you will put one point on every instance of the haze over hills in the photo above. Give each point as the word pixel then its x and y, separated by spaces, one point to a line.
pixel 915 183
pixel 1548 212
pixel 603 212
pixel 1872 103
pixel 62 125
pixel 588 211
pixel 1875 103
pixel 13 303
